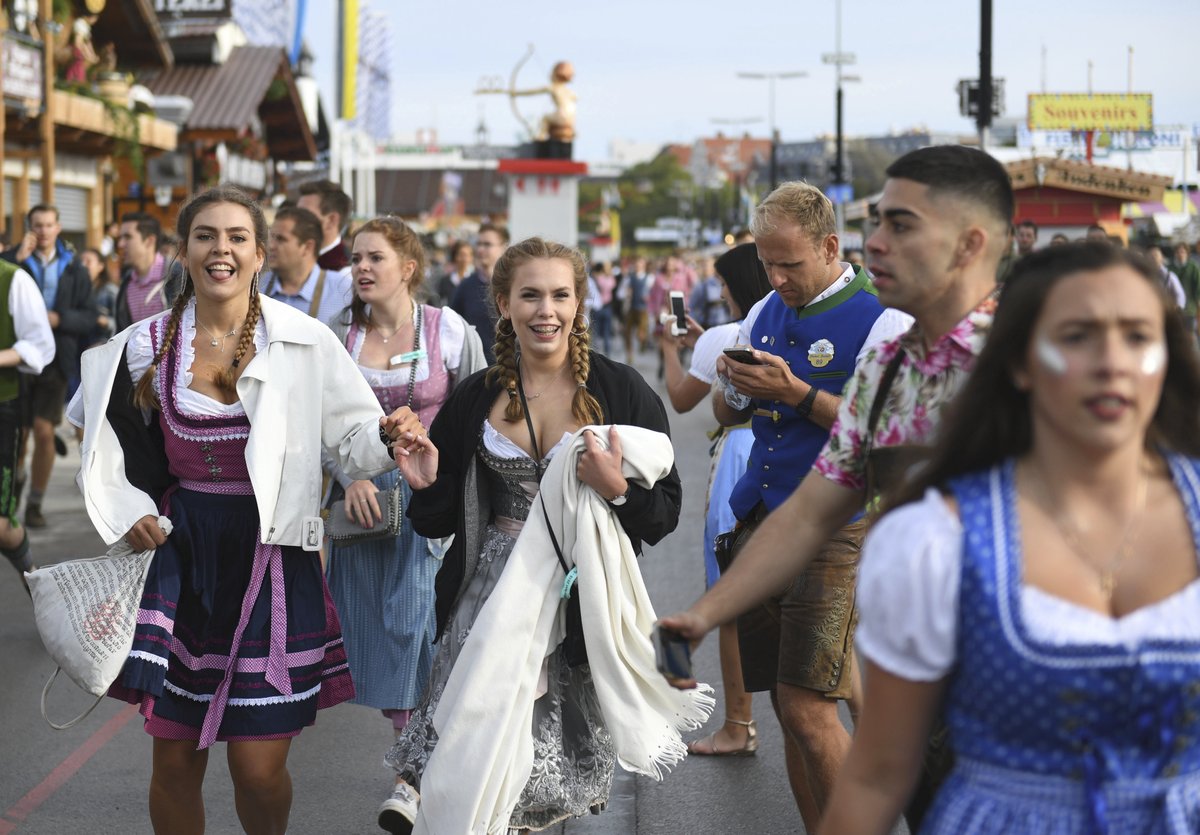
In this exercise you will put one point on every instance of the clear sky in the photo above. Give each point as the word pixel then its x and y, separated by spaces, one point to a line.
pixel 662 70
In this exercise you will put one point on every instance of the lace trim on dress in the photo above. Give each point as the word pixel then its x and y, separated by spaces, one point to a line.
pixel 243 702
pixel 502 446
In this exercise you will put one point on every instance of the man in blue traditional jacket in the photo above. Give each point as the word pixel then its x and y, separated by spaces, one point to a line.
pixel 805 339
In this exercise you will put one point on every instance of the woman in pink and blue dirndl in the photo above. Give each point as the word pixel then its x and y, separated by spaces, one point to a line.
pixel 215 415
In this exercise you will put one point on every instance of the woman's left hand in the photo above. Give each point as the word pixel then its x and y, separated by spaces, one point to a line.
pixel 403 427
pixel 688 340
pixel 600 469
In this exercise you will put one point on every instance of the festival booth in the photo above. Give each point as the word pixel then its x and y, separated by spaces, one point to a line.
pixel 1066 196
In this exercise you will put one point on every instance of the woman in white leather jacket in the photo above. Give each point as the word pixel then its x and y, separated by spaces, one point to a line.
pixel 215 414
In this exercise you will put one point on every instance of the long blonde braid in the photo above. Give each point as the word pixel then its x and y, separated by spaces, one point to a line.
pixel 504 369
pixel 144 395
pixel 584 406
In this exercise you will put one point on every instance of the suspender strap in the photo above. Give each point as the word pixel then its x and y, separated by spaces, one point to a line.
pixel 316 299
pixel 318 291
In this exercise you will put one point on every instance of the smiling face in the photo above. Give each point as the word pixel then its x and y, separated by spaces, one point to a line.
pixel 221 254
pixel 378 271
pixel 1096 361
pixel 797 266
pixel 542 304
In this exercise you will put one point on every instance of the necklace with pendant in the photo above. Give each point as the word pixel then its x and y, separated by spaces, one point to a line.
pixel 215 339
pixel 545 388
pixel 396 330
pixel 1106 573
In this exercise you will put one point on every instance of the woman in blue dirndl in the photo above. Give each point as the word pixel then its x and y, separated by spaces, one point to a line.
pixel 411 355
pixel 1038 580
pixel 215 414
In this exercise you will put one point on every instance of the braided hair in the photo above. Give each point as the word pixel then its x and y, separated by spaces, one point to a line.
pixel 224 379
pixel 584 407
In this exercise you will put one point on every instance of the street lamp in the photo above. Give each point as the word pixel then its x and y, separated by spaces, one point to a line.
pixel 839 59
pixel 771 78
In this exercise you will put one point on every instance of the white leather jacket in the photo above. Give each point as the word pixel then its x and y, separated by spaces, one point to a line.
pixel 302 394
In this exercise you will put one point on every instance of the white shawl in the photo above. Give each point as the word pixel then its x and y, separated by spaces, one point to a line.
pixel 484 753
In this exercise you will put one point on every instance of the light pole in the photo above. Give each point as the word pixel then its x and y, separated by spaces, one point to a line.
pixel 839 59
pixel 771 78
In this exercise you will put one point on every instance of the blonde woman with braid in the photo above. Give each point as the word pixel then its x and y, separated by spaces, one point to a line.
pixel 214 415
pixel 476 477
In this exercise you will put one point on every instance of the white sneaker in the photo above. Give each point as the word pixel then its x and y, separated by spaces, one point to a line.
pixel 399 812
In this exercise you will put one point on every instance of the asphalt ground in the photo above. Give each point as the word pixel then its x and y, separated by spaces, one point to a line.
pixel 93 778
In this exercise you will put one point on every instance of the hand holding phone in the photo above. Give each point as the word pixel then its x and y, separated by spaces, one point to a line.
pixel 679 326
pixel 742 355
pixel 672 654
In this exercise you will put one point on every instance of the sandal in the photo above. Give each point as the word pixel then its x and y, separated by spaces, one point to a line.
pixel 707 746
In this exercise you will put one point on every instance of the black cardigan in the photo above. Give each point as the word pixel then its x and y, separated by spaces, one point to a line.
pixel 444 507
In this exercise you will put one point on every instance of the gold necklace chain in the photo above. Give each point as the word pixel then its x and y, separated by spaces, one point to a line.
pixel 545 387
pixel 1105 574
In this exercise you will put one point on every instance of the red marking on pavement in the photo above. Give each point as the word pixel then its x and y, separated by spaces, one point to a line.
pixel 65 770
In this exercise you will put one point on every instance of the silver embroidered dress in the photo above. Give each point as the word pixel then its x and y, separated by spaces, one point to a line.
pixel 574 760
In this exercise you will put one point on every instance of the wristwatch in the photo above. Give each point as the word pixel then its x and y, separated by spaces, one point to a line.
pixel 804 407
pixel 618 501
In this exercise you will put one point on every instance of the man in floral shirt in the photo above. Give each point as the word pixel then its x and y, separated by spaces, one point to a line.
pixel 943 226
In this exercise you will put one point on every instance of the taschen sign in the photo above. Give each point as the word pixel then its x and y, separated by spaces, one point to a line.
pixel 1098 111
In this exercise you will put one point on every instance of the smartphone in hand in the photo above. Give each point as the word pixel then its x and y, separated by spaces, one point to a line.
pixel 742 355
pixel 672 654
pixel 679 328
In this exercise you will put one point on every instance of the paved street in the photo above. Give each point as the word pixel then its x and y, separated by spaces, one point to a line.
pixel 93 777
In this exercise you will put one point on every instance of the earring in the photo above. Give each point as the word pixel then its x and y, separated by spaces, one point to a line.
pixel 583 329
pixel 502 324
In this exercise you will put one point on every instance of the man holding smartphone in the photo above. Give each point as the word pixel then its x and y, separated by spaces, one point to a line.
pixel 804 339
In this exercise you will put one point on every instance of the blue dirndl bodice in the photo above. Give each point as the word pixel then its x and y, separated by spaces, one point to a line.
pixel 1095 738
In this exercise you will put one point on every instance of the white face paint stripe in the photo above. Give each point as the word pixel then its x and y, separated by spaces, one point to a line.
pixel 1050 357
pixel 1154 358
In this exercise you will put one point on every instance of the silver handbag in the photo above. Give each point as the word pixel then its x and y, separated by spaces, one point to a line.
pixel 391 502
pixel 341 529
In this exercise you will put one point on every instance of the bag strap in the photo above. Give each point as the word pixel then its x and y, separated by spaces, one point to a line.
pixel 571 572
pixel 881 393
pixel 72 723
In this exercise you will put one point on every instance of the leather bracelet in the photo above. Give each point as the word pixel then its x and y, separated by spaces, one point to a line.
pixel 804 407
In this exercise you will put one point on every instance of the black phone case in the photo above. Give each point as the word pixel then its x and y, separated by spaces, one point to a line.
pixel 672 654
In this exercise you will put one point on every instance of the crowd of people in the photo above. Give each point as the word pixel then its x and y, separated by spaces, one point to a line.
pixel 954 484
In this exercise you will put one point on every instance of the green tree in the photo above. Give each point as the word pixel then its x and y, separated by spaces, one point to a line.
pixel 654 189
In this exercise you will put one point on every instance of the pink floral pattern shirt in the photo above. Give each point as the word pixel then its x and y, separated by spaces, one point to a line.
pixel 928 379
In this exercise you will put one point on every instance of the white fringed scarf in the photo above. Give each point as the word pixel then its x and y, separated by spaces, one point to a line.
pixel 484 753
